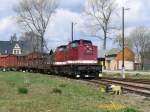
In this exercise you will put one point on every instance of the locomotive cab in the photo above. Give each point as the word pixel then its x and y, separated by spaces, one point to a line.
pixel 82 51
pixel 81 55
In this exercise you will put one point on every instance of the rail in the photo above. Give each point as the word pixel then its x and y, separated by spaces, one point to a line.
pixel 139 86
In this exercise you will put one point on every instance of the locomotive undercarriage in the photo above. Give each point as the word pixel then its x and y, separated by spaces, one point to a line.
pixel 77 71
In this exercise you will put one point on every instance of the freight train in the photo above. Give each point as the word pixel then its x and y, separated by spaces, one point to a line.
pixel 78 59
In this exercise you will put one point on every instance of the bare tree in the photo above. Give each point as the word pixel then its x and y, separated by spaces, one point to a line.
pixel 13 38
pixel 140 38
pixel 33 40
pixel 127 42
pixel 35 15
pixel 101 12
pixel 147 52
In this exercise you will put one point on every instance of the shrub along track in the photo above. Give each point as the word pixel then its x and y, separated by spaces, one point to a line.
pixel 137 86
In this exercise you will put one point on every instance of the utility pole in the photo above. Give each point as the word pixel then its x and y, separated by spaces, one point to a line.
pixel 72 31
pixel 123 67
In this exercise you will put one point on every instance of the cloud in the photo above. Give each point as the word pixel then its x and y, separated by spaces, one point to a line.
pixel 7 4
pixel 7 27
pixel 138 10
pixel 72 5
pixel 59 29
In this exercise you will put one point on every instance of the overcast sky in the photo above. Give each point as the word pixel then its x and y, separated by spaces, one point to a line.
pixel 59 29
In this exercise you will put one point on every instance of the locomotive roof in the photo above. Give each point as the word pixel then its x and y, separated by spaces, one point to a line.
pixel 77 41
pixel 62 46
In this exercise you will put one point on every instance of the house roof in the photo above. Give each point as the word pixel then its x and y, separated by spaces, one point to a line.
pixel 117 54
pixel 113 51
pixel 128 55
pixel 6 47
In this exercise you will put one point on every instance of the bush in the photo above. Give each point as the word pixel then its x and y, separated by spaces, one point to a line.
pixel 12 84
pixel 130 110
pixel 104 73
pixel 22 90
pixel 147 99
pixel 137 74
pixel 62 85
pixel 118 74
pixel 57 90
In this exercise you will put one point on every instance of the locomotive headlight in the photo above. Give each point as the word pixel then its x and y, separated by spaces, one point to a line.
pixel 86 76
pixel 100 74
pixel 88 49
pixel 77 76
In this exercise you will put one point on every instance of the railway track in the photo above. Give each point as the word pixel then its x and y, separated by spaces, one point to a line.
pixel 138 86
pixel 143 81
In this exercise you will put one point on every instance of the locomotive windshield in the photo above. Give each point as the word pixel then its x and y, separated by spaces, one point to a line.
pixel 61 48
pixel 74 45
pixel 86 42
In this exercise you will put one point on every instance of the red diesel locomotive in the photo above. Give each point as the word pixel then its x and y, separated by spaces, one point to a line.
pixel 78 59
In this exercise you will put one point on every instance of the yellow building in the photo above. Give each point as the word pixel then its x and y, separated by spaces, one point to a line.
pixel 113 60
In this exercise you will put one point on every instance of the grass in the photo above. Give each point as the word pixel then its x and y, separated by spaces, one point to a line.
pixel 133 76
pixel 50 94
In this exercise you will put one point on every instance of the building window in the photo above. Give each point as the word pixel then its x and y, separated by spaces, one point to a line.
pixel 6 51
pixel 18 51
pixel 14 51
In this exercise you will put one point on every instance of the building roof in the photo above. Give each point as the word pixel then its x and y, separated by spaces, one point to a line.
pixel 6 47
pixel 113 51
pixel 117 54
pixel 128 55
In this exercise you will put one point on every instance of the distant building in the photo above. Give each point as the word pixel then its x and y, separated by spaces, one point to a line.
pixel 137 63
pixel 113 60
pixel 146 65
pixel 14 47
pixel 110 61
